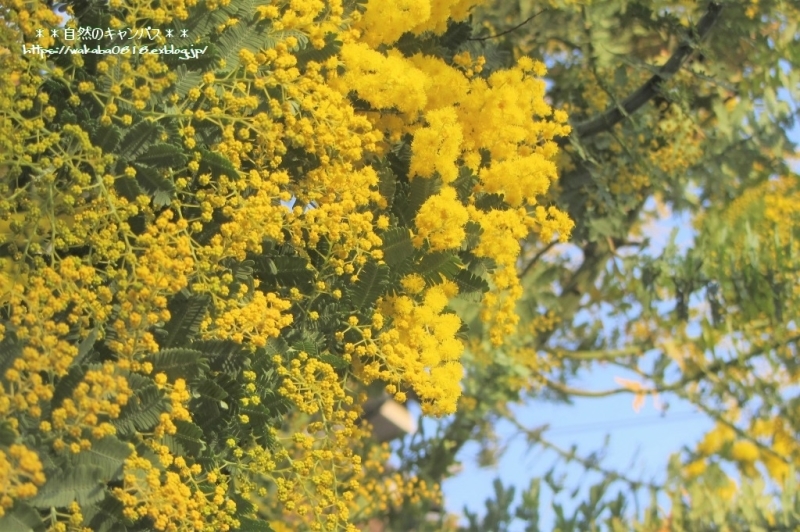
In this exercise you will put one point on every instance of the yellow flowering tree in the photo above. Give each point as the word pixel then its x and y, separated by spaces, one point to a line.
pixel 223 223
pixel 226 225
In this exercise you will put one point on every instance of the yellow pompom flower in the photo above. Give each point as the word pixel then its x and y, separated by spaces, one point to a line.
pixel 441 221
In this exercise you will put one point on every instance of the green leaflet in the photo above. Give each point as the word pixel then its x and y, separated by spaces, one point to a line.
pixel 468 282
pixel 371 283
pixel 216 164
pixel 7 434
pixel 437 266
pixel 190 437
pixel 10 349
pixel 143 408
pixel 139 137
pixel 285 271
pixel 107 138
pixel 179 362
pixel 107 454
pixel 309 53
pixel 237 38
pixel 106 516
pixel 67 384
pixel 387 183
pixel 83 483
pixel 209 389
pixel 128 188
pixel 397 247
pixel 247 524
pixel 420 189
pixel 187 313
pixel 21 518
pixel 163 155
pixel 187 80
pixel 151 180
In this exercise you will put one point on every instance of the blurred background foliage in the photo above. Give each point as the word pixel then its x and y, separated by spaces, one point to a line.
pixel 679 109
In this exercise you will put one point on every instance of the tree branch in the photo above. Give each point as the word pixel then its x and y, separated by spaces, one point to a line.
pixel 646 92
pixel 518 26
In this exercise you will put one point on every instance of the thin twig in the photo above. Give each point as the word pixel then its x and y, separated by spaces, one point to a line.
pixel 536 258
pixel 518 26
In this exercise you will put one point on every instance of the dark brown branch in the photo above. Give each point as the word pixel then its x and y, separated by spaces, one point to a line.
pixel 646 92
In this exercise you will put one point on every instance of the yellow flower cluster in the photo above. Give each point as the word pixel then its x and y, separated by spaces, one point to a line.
pixel 85 416
pixel 462 116
pixel 390 492
pixel 384 23
pixel 778 453
pixel 178 397
pixel 385 81
pixel 321 456
pixel 436 147
pixel 173 499
pixel 782 442
pixel 20 473
pixel 253 321
pixel 420 349
pixel 440 221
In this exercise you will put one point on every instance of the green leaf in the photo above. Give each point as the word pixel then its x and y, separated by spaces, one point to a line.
pixel 258 414
pixel 465 183
pixel 10 350
pixel 139 137
pixel 108 454
pixel 150 179
pixel 247 524
pixel 209 389
pixel 7 434
pixel 457 34
pixel 106 516
pixel 290 272
pixel 190 436
pixel 309 53
pixel 307 345
pixel 187 313
pixel 66 385
pixel 213 349
pixel 128 188
pixel 143 409
pixel 276 346
pixel 85 346
pixel 436 266
pixel 236 38
pixel 163 155
pixel 107 138
pixel 83 483
pixel 21 518
pixel 179 362
pixel 387 183
pixel 397 246
pixel 473 232
pixel 334 361
pixel 187 80
pixel 469 282
pixel 371 283
pixel 217 165
pixel 274 37
pixel 420 190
